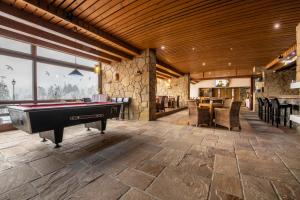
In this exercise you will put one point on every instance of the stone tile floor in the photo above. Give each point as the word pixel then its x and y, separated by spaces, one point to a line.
pixel 164 159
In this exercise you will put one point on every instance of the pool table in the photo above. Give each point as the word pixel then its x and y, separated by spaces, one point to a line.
pixel 50 119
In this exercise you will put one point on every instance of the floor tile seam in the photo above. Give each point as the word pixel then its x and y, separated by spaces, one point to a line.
pixel 288 168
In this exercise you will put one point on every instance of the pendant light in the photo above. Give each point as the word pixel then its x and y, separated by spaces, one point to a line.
pixel 76 72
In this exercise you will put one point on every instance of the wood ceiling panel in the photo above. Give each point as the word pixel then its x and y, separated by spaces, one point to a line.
pixel 193 31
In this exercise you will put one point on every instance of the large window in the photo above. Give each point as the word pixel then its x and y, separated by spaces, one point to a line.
pixel 48 53
pixel 15 78
pixel 55 83
pixel 15 45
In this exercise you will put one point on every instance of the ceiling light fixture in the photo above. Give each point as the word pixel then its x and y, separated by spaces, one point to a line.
pixel 193 48
pixel 203 64
pixel 276 26
pixel 231 48
pixel 163 47
pixel 229 64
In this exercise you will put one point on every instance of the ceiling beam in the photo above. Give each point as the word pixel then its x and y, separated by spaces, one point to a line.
pixel 160 76
pixel 9 23
pixel 226 77
pixel 80 24
pixel 168 67
pixel 164 75
pixel 42 43
pixel 162 71
pixel 34 21
pixel 285 54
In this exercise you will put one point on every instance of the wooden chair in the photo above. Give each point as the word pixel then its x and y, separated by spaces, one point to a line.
pixel 160 106
pixel 177 101
pixel 229 117
pixel 198 116
pixel 227 103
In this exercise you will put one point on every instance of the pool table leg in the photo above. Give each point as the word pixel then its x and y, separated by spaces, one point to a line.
pixel 58 136
pixel 103 125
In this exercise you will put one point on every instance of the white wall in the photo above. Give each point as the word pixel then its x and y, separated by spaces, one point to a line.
pixel 234 82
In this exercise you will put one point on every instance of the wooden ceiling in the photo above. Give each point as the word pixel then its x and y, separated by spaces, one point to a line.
pixel 192 32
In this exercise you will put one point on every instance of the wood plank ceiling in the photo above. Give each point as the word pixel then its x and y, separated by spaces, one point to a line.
pixel 194 36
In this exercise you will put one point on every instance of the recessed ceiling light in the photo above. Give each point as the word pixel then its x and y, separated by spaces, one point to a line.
pixel 231 48
pixel 193 48
pixel 276 26
pixel 203 64
pixel 163 47
pixel 229 64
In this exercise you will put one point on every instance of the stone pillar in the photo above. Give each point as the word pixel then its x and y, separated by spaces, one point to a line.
pixel 298 53
pixel 136 79
pixel 150 76
pixel 186 88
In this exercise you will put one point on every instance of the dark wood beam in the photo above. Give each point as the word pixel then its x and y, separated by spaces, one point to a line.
pixel 42 43
pixel 60 13
pixel 169 67
pixel 161 77
pixel 10 10
pixel 162 74
pixel 285 54
pixel 226 77
pixel 159 70
pixel 52 37
pixel 7 52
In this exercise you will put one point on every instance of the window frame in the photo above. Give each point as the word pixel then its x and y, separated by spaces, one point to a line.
pixel 35 59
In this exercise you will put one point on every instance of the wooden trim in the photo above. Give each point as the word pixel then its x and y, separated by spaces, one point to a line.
pixel 49 36
pixel 34 73
pixel 162 71
pixel 161 76
pixel 226 77
pixel 60 13
pixel 43 59
pixel 42 43
pixel 169 67
pixel 53 27
pixel 285 54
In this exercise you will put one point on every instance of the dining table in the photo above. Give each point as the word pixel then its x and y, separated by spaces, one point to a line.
pixel 211 107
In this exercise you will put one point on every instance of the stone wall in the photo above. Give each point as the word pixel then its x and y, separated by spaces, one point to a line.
pixel 278 83
pixel 179 87
pixel 136 79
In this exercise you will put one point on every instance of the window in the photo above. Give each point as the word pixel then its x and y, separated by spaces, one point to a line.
pixel 15 78
pixel 48 53
pixel 14 45
pixel 53 54
pixel 54 82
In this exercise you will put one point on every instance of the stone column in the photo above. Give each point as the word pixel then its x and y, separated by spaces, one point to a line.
pixel 186 88
pixel 150 76
pixel 298 52
pixel 136 79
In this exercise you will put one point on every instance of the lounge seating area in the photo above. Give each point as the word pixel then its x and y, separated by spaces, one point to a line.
pixel 223 112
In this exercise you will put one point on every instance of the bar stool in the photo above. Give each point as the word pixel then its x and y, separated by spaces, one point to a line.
pixel 260 107
pixel 126 103
pixel 267 109
pixel 277 108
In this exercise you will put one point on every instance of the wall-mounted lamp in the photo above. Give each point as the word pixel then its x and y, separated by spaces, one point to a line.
pixel 97 69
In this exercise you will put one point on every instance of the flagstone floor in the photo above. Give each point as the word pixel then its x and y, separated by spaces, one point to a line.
pixel 165 159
